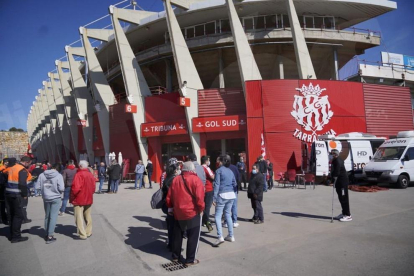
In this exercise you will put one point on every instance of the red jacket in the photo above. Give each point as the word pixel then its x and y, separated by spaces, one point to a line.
pixel 186 206
pixel 83 188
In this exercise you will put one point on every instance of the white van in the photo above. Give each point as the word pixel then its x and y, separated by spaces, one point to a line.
pixel 354 148
pixel 394 161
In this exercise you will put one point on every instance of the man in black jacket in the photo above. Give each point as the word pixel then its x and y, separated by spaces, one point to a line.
pixel 270 172
pixel 255 193
pixel 339 174
pixel 150 169
pixel 262 167
pixel 114 173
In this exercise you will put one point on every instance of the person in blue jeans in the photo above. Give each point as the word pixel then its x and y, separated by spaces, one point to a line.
pixel 51 185
pixel 225 187
pixel 68 175
pixel 236 173
pixel 139 174
pixel 101 176
pixel 114 172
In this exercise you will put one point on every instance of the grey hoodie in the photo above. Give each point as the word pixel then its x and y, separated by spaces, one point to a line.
pixel 51 185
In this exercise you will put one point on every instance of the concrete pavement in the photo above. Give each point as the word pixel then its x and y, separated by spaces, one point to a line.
pixel 297 238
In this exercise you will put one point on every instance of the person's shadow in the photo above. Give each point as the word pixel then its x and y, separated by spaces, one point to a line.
pixel 37 231
pixel 154 223
pixel 147 240
pixel 301 215
pixel 67 230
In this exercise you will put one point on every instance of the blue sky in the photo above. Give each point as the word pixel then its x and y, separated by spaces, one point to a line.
pixel 33 35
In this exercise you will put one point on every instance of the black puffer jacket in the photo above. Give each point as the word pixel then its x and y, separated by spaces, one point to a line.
pixel 256 184
pixel 114 172
pixel 165 187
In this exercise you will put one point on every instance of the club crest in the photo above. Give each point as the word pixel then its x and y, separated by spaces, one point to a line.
pixel 311 110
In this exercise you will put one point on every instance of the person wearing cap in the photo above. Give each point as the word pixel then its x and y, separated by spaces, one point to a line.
pixel 16 195
pixel 81 196
pixel 198 168
pixel 185 200
pixel 340 176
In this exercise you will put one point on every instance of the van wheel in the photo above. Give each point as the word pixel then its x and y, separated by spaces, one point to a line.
pixel 402 182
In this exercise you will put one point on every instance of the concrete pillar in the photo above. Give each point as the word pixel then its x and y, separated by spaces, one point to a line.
pixel 245 58
pixel 62 123
pixel 136 86
pixel 221 69
pixel 281 67
pixel 70 106
pixel 303 60
pixel 335 59
pixel 188 78
pixel 83 99
pixel 51 144
pixel 53 120
pixel 168 75
pixel 104 97
pixel 223 146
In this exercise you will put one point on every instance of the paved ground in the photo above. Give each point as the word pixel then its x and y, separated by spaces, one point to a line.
pixel 296 239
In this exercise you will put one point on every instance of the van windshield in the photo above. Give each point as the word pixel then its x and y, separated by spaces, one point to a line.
pixel 391 153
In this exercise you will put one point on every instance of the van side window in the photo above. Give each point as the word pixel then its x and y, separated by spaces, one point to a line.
pixel 410 153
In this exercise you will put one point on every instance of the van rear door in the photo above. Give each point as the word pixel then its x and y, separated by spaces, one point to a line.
pixel 322 159
pixel 361 152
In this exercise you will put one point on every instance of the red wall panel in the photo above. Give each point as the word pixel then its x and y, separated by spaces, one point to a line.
pixel 254 131
pixel 163 108
pixel 254 107
pixel 388 109
pixel 283 150
pixel 122 134
pixel 221 102
pixel 278 97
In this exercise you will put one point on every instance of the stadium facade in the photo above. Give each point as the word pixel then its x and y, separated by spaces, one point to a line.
pixel 214 77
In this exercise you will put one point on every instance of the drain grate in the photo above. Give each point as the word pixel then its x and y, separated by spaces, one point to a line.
pixel 173 266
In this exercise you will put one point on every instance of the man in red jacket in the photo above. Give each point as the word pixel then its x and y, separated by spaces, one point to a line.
pixel 185 199
pixel 81 196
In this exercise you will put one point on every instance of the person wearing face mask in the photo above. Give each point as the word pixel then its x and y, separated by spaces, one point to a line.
pixel 241 166
pixel 255 193
pixel 208 197
pixel 338 173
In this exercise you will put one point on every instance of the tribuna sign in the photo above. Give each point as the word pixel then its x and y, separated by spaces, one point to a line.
pixel 312 111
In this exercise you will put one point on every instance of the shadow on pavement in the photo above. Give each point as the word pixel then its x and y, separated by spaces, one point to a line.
pixel 67 230
pixel 35 230
pixel 154 223
pixel 4 230
pixel 147 240
pixel 300 215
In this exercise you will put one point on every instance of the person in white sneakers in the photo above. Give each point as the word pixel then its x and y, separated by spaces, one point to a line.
pixel 339 174
pixel 225 187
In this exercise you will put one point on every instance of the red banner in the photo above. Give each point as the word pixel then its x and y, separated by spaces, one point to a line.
pixel 222 123
pixel 164 128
